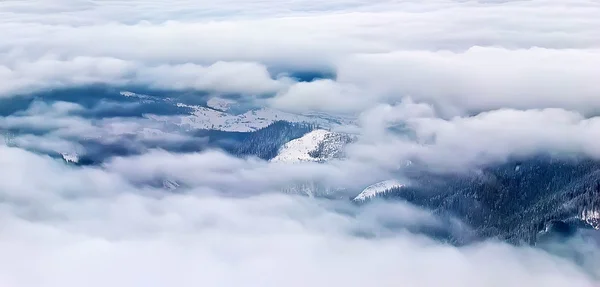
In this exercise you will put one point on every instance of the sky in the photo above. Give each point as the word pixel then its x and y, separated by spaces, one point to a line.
pixel 477 82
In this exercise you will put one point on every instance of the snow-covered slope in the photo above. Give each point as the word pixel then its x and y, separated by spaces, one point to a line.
pixel 209 118
pixel 299 150
pixel 70 157
pixel 376 189
pixel 216 115
pixel 317 146
pixel 220 104
pixel 592 217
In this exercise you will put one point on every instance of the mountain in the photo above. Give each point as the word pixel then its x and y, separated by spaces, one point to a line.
pixel 378 189
pixel 124 123
pixel 316 146
pixel 218 114
pixel 265 143
pixel 514 201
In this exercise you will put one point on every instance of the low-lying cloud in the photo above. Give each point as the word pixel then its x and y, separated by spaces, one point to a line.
pixel 448 84
pixel 465 142
pixel 70 226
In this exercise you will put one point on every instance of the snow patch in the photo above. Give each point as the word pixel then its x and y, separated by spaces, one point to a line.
pixel 298 150
pixel 208 118
pixel 592 217
pixel 376 189
pixel 127 94
pixel 220 104
pixel 70 157
pixel 215 116
pixel 134 95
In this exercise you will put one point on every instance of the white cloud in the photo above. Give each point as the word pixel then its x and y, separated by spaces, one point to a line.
pixel 499 134
pixel 59 127
pixel 98 42
pixel 457 57
pixel 71 226
pixel 482 79
pixel 322 96
pixel 529 66
pixel 222 77
pixel 466 142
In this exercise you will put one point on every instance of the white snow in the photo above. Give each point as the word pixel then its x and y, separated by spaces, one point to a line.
pixel 127 94
pixel 208 118
pixel 298 150
pixel 134 95
pixel 377 188
pixel 216 117
pixel 592 217
pixel 70 157
pixel 220 104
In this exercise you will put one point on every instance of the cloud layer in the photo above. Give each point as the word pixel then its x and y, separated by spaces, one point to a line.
pixel 451 84
pixel 463 55
pixel 70 226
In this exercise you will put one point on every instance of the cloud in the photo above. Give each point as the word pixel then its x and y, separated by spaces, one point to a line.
pixel 221 77
pixel 503 133
pixel 456 83
pixel 45 144
pixel 322 96
pixel 458 58
pixel 69 226
pixel 228 174
pixel 60 127
pixel 225 77
pixel 50 72
pixel 394 134
pixel 81 46
pixel 482 79
pixel 452 84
